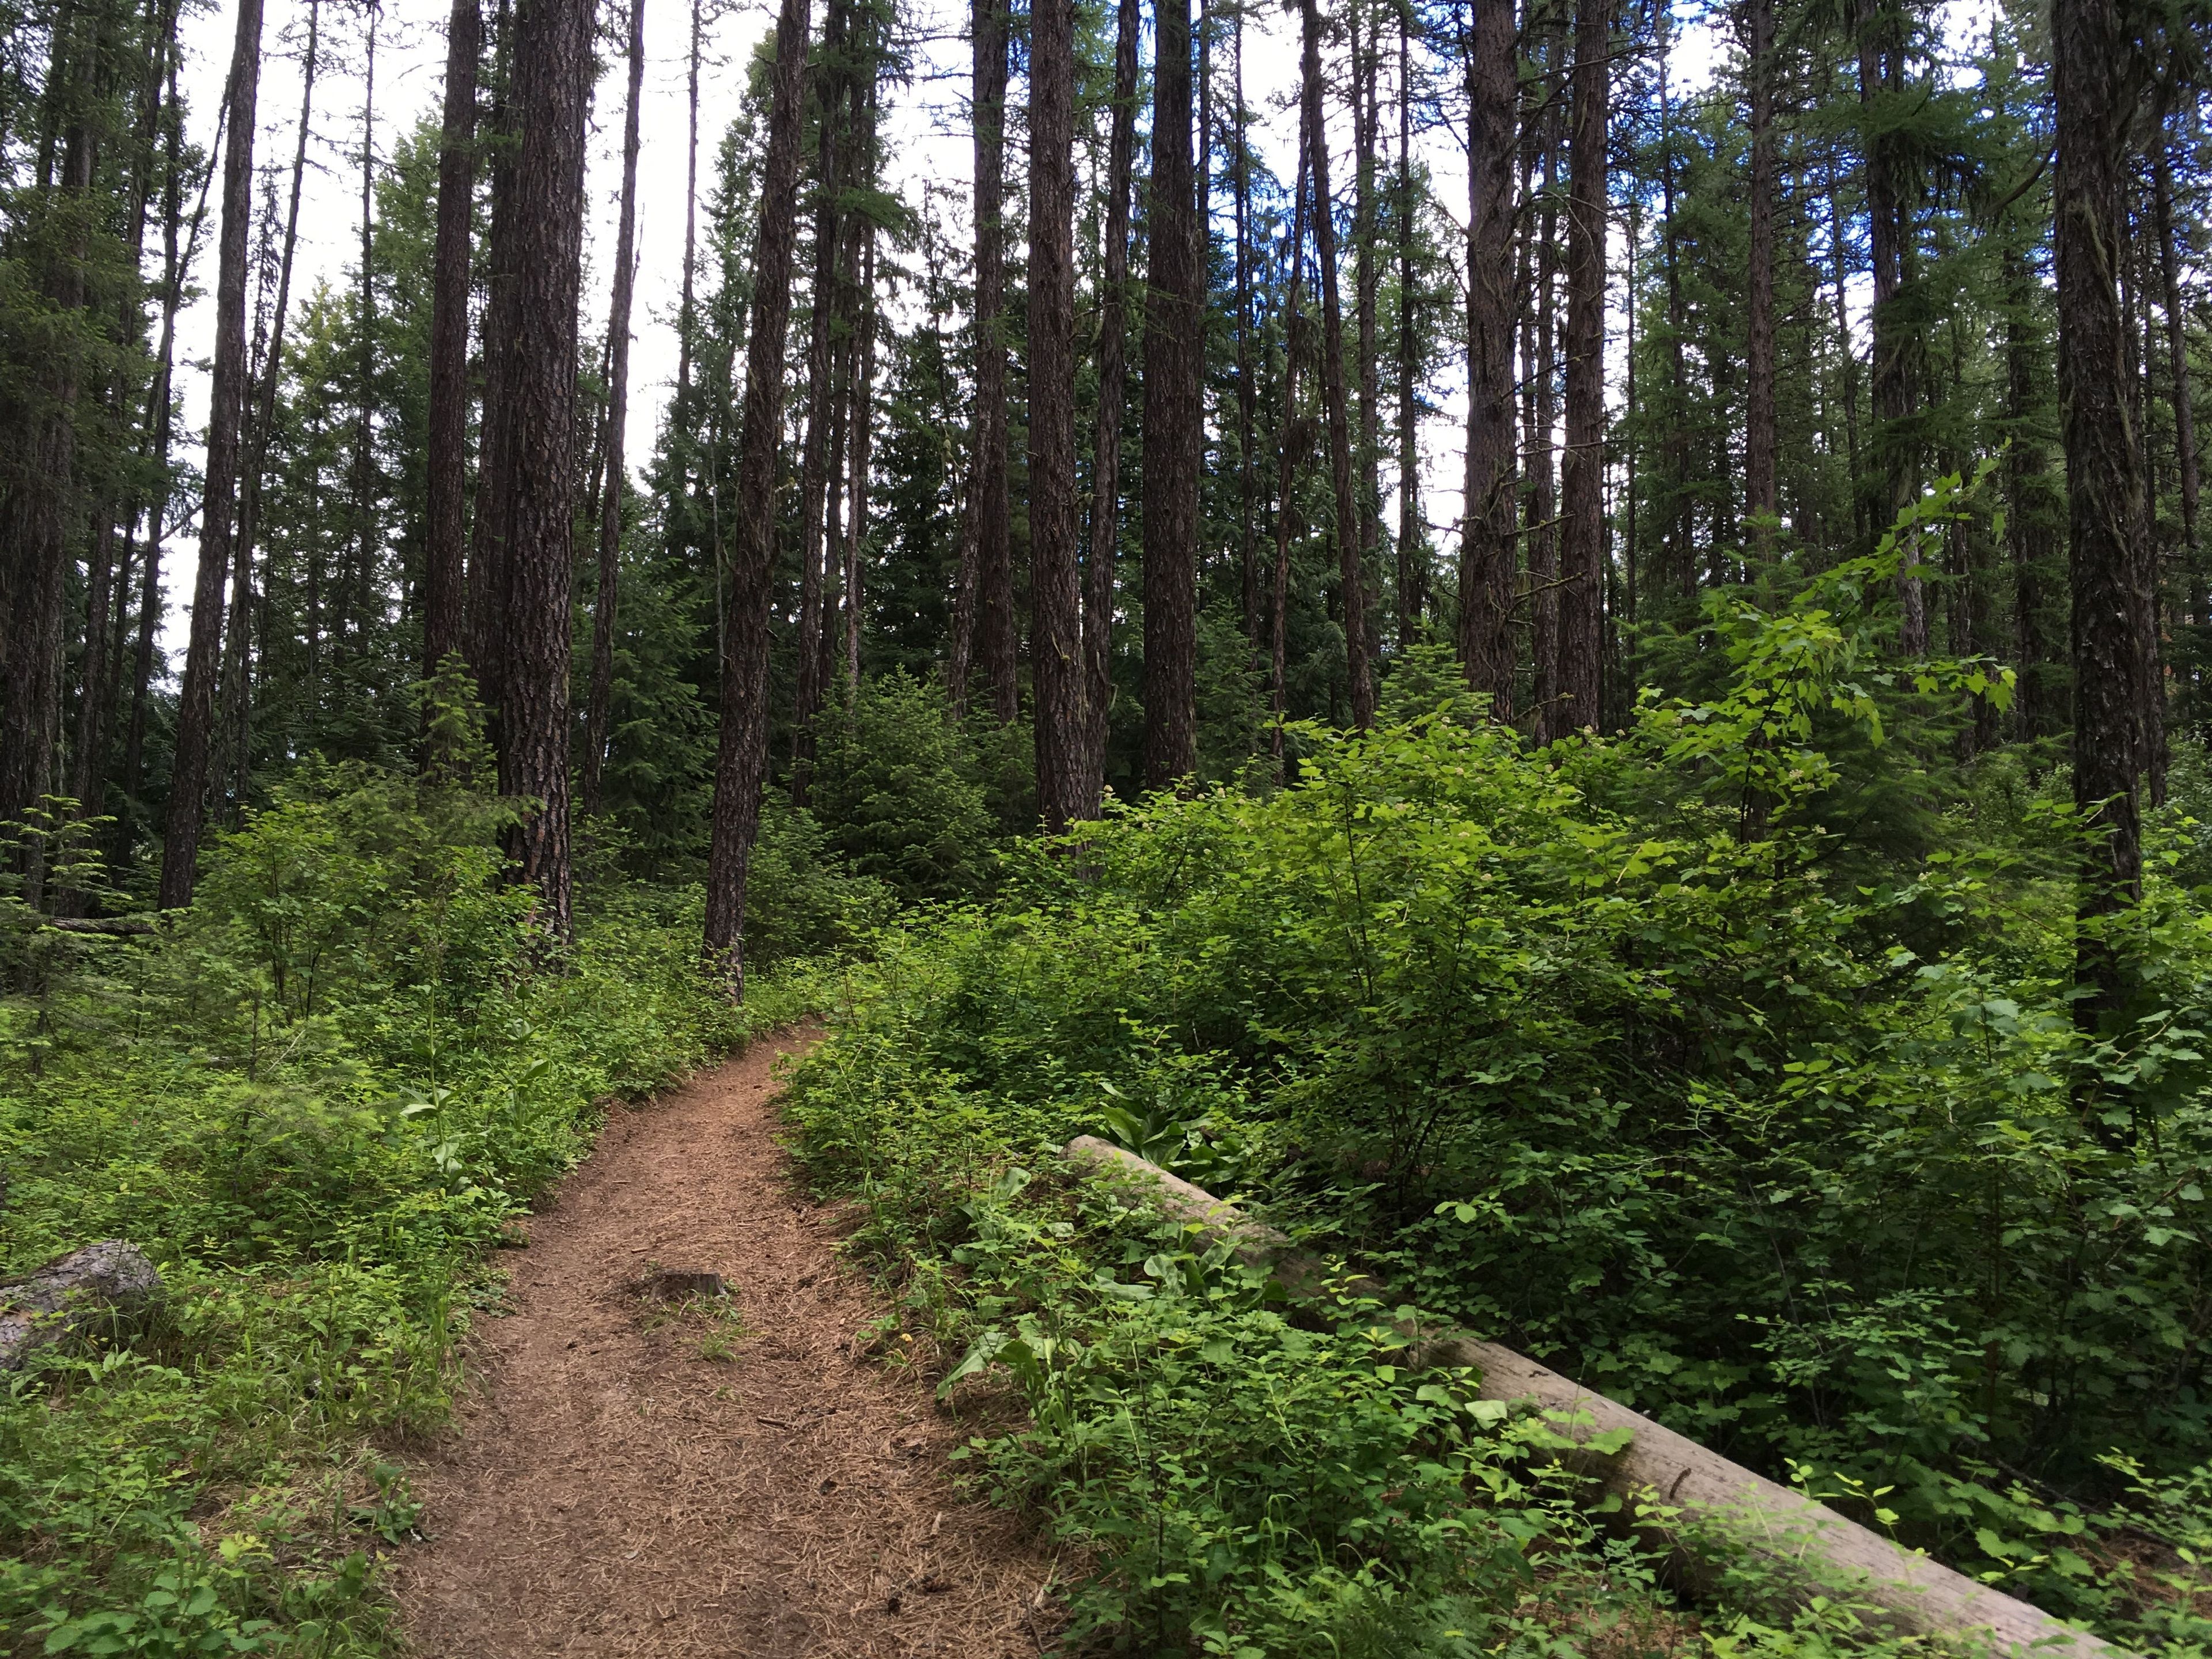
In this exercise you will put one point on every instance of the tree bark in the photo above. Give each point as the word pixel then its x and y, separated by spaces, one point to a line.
pixel 226 406
pixel 1487 539
pixel 741 754
pixel 1412 559
pixel 994 569
pixel 1359 667
pixel 1089 789
pixel 489 537
pixel 1291 440
pixel 2177 350
pixel 1247 393
pixel 817 473
pixel 1367 275
pixel 598 708
pixel 1893 383
pixel 1055 637
pixel 2091 85
pixel 445 530
pixel 238 693
pixel 1582 469
pixel 1760 443
pixel 1174 436
pixel 553 70
pixel 686 310
pixel 356 591
pixel 863 418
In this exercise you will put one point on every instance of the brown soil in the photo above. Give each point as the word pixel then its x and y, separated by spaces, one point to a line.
pixel 637 1477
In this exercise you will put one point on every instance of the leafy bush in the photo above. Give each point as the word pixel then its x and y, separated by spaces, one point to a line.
pixel 897 791
pixel 313 1100
pixel 1608 1049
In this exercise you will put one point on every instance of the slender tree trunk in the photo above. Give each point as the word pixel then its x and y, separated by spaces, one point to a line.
pixel 1291 442
pixel 1367 276
pixel 35 512
pixel 1892 386
pixel 1174 435
pixel 491 536
pixel 819 476
pixel 1088 792
pixel 2177 350
pixel 226 406
pixel 1541 337
pixel 161 415
pixel 1412 557
pixel 686 311
pixel 1840 275
pixel 1359 666
pixel 444 577
pixel 2104 484
pixel 1581 469
pixel 1247 393
pixel 1487 550
pixel 1055 639
pixel 599 708
pixel 261 420
pixel 994 566
pixel 856 529
pixel 364 454
pixel 2030 492
pixel 1760 443
pixel 741 754
pixel 1675 446
pixel 107 584
pixel 553 70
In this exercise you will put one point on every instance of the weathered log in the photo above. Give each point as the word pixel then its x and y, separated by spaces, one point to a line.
pixel 1695 1502
pixel 111 926
pixel 100 1282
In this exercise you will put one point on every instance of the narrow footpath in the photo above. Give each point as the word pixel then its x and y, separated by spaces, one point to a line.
pixel 632 1474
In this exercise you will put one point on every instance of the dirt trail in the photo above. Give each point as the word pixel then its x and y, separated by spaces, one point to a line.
pixel 619 1487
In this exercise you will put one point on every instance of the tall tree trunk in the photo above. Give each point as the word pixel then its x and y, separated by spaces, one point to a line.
pixel 261 420
pixel 1291 440
pixel 818 475
pixel 226 406
pixel 686 311
pixel 2177 350
pixel 1055 638
pixel 445 589
pixel 741 752
pixel 490 536
pixel 994 568
pixel 1174 435
pixel 2104 484
pixel 1487 539
pixel 1760 443
pixel 1582 469
pixel 1088 790
pixel 1541 355
pixel 1840 277
pixel 108 586
pixel 553 70
pixel 1359 666
pixel 1893 383
pixel 359 578
pixel 1413 558
pixel 1367 275
pixel 1247 393
pixel 177 254
pixel 2030 494
pixel 35 512
pixel 863 419
pixel 599 708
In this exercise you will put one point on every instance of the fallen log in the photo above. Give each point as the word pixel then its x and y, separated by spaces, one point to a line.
pixel 1695 1502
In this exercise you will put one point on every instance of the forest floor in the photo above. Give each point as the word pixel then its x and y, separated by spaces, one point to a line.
pixel 636 1476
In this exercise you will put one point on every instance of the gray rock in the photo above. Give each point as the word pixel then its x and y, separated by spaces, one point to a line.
pixel 67 1294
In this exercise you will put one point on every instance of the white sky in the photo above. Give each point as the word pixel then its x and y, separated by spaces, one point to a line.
pixel 928 141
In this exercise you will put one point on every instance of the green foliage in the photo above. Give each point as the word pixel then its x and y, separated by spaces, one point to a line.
pixel 1783 1154
pixel 900 794
pixel 314 1099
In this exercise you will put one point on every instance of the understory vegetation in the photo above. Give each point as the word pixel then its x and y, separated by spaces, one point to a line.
pixel 315 1100
pixel 1730 1064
